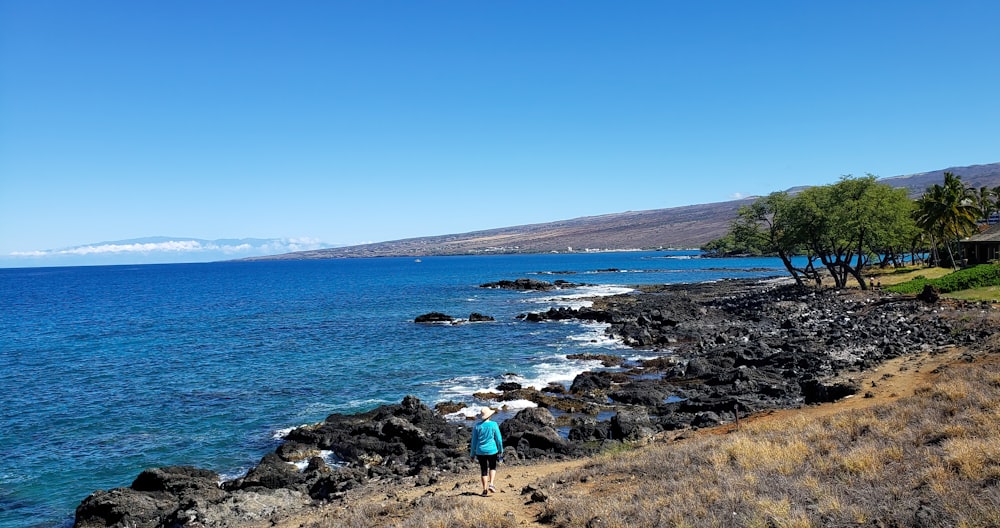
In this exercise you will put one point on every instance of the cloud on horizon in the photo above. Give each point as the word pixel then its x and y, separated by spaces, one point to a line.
pixel 163 249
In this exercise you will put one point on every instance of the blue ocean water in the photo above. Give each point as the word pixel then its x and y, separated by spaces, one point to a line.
pixel 106 371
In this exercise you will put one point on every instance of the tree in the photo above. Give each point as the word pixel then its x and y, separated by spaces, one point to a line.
pixel 947 213
pixel 849 223
pixel 986 201
pixel 765 227
pixel 721 247
pixel 844 226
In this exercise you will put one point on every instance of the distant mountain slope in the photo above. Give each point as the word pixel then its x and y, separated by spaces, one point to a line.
pixel 973 175
pixel 678 227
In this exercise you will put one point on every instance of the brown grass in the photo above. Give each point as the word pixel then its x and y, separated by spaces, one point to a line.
pixel 899 275
pixel 931 458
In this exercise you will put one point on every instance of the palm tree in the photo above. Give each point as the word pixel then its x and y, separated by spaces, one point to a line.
pixel 948 212
pixel 986 200
pixel 927 213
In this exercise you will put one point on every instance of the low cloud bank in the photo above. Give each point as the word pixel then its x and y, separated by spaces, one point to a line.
pixel 161 250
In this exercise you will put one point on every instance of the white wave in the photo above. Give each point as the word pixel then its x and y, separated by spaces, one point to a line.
pixel 464 387
pixel 579 298
pixel 465 413
pixel 557 369
pixel 642 357
pixel 233 475
pixel 504 410
pixel 280 434
pixel 367 404
pixel 594 336
pixel 327 456
pixel 516 405
pixel 13 478
pixel 320 408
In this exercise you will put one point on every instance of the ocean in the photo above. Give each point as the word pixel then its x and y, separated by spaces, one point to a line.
pixel 108 370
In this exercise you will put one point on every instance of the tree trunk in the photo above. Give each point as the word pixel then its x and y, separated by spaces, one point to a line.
pixel 954 265
pixel 856 273
pixel 791 269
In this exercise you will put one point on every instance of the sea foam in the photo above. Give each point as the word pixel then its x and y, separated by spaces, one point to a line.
pixel 580 296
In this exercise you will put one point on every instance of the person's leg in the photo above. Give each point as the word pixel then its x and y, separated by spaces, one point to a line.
pixel 484 471
pixel 492 472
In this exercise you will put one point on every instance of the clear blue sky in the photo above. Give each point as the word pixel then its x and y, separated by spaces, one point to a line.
pixel 351 122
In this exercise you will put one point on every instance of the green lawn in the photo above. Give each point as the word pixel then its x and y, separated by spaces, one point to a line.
pixel 978 283
pixel 986 293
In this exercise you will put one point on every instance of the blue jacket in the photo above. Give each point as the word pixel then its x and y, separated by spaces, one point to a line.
pixel 486 439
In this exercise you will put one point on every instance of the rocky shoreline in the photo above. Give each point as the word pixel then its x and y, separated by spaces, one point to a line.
pixel 719 351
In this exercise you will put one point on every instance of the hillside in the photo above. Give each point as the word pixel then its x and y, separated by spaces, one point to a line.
pixel 678 227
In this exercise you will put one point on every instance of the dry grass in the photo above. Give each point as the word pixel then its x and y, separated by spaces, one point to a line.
pixel 932 459
pixel 900 275
pixel 427 512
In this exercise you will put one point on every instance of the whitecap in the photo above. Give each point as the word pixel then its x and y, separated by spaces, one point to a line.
pixel 516 405
pixel 558 369
pixel 280 434
pixel 594 335
pixel 642 357
pixel 232 475
pixel 463 386
pixel 504 410
pixel 583 294
pixel 469 412
pixel 353 405
pixel 327 456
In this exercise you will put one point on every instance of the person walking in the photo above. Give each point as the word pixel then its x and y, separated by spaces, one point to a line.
pixel 487 445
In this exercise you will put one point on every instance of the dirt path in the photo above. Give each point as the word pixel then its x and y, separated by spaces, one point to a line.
pixel 897 378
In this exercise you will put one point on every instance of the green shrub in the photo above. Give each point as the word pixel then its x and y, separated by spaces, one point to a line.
pixel 976 277
pixel 913 286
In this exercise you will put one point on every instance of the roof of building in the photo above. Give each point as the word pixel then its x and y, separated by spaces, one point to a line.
pixel 990 235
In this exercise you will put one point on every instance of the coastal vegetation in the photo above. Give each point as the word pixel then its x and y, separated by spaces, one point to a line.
pixel 981 276
pixel 839 228
pixel 846 229
pixel 949 212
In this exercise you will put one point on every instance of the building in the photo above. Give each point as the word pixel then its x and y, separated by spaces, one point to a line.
pixel 983 247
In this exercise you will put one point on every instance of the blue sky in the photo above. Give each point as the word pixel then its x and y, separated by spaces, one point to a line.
pixel 352 122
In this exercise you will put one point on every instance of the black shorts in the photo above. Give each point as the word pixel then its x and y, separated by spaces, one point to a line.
pixel 487 463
